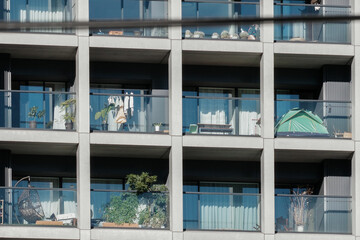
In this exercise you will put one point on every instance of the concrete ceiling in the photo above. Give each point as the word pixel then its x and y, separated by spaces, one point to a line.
pixel 30 148
pixel 129 55
pixel 225 154
pixel 309 61
pixel 309 156
pixel 39 52
pixel 152 152
pixel 221 59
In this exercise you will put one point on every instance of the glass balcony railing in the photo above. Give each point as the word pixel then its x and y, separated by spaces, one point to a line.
pixel 38 206
pixel 37 110
pixel 129 10
pixel 116 209
pixel 326 32
pixel 221 211
pixel 129 113
pixel 313 118
pixel 222 9
pixel 39 11
pixel 313 214
pixel 221 116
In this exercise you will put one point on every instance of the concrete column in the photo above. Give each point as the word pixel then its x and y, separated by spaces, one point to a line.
pixel 267 29
pixel 83 183
pixel 82 14
pixel 83 86
pixel 5 83
pixel 6 169
pixel 268 189
pixel 174 13
pixel 175 183
pixel 355 32
pixel 267 91
pixel 175 88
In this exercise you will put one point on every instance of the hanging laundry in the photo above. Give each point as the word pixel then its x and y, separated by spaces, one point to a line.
pixel 120 117
pixel 126 103
pixel 131 104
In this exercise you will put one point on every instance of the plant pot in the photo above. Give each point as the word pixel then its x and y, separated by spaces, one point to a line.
pixel 157 128
pixel 124 225
pixel 300 228
pixel 69 125
pixel 104 126
pixel 33 124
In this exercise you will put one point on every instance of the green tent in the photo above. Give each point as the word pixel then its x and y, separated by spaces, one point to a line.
pixel 301 123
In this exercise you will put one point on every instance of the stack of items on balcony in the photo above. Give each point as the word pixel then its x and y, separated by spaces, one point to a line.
pixel 251 34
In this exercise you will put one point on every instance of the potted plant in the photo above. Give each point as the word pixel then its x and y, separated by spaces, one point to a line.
pixel 157 126
pixel 153 202
pixel 33 114
pixel 299 207
pixel 146 206
pixel 103 114
pixel 70 114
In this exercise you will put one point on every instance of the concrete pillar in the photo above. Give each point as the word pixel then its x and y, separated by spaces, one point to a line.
pixel 5 83
pixel 267 91
pixel 83 86
pixel 83 183
pixel 268 189
pixel 355 191
pixel 82 14
pixel 175 88
pixel 355 32
pixel 267 28
pixel 174 13
pixel 175 183
pixel 6 169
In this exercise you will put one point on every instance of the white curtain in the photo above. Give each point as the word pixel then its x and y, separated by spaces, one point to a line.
pixel 233 212
pixel 216 111
pixel 59 112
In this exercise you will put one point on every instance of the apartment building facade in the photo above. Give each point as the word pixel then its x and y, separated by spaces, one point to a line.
pixel 251 127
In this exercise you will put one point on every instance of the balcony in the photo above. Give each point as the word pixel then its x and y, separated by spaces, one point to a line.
pixel 313 214
pixel 38 206
pixel 313 118
pixel 129 10
pixel 39 11
pixel 322 32
pixel 37 110
pixel 221 115
pixel 129 113
pixel 221 9
pixel 127 209
pixel 221 211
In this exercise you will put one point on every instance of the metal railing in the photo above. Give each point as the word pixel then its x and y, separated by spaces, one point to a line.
pixel 313 213
pixel 221 211
pixel 37 109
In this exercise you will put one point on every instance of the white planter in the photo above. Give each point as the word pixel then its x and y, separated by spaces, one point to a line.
pixel 300 228
pixel 157 128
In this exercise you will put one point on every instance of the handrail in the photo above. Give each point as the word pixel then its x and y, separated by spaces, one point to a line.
pixel 37 188
pixel 223 193
pixel 313 196
pixel 310 100
pixel 44 92
pixel 124 191
pixel 312 5
pixel 223 2
pixel 225 98
pixel 130 95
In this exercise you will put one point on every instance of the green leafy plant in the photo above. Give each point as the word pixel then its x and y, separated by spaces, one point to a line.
pixel 151 195
pixel 146 206
pixel 157 124
pixel 70 113
pixel 103 113
pixel 34 113
pixel 122 209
